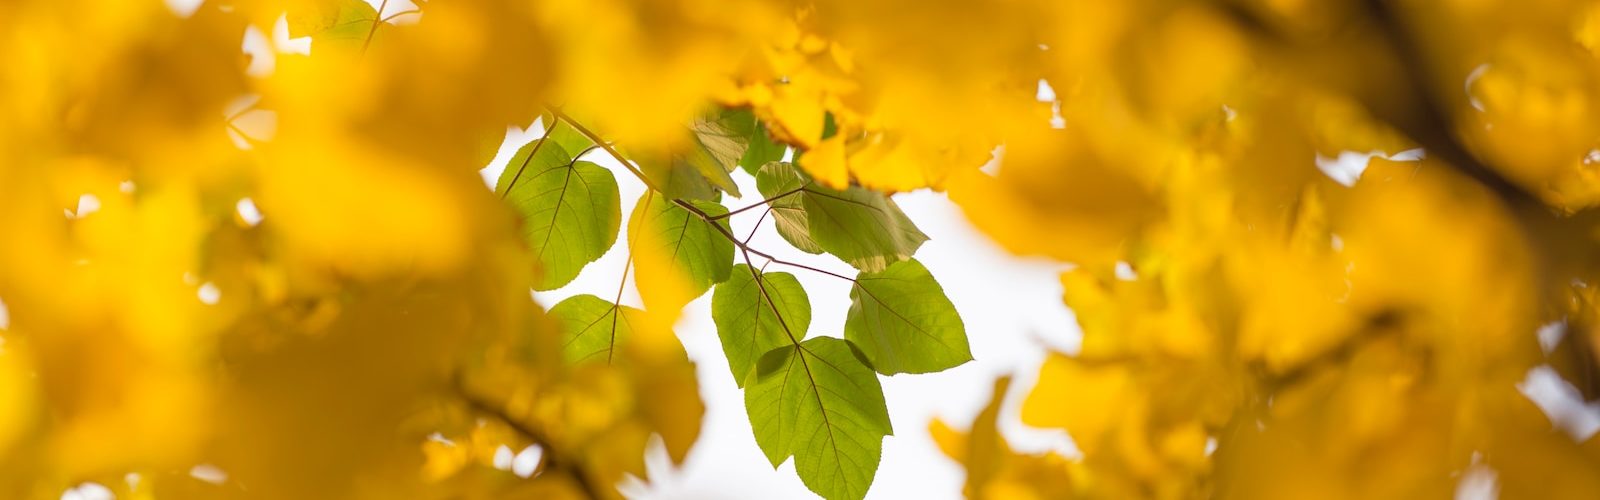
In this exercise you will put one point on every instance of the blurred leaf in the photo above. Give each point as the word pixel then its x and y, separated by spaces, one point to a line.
pixel 819 402
pixel 336 19
pixel 755 317
pixel 902 321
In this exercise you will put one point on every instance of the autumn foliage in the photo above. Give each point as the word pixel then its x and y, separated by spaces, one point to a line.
pixel 275 271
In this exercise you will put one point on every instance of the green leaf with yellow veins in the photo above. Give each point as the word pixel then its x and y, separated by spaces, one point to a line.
pixel 592 328
pixel 571 210
pixel 820 403
pixel 861 227
pixel 698 252
pixel 902 321
pixel 753 318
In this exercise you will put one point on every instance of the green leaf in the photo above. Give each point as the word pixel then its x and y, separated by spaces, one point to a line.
pixel 820 403
pixel 701 166
pixel 724 136
pixel 902 321
pixel 571 210
pixel 762 150
pixel 861 227
pixel 591 327
pixel 748 321
pixel 699 252
pixel 569 138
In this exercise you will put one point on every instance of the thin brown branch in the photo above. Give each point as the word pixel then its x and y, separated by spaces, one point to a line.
pixel 759 220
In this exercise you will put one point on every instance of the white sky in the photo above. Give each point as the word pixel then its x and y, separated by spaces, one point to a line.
pixel 1012 309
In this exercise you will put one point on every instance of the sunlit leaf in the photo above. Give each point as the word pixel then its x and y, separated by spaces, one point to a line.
pixel 571 210
pixel 902 321
pixel 699 253
pixel 570 139
pixel 819 402
pixel 756 313
pixel 592 327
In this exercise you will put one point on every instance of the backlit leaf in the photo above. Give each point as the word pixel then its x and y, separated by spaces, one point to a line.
pixel 762 150
pixel 819 402
pixel 592 327
pixel 864 228
pixel 571 210
pixel 569 138
pixel 753 318
pixel 700 254
pixel 902 321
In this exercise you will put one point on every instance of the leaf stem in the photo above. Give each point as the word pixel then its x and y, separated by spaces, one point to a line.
pixel 759 220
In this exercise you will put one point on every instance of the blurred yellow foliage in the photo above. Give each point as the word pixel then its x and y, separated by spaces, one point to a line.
pixel 1253 328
